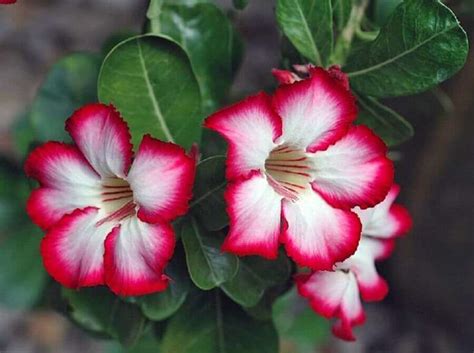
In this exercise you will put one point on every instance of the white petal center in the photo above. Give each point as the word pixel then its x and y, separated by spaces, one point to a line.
pixel 116 200
pixel 289 171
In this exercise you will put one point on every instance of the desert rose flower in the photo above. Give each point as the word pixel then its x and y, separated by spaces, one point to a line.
pixel 296 166
pixel 107 218
pixel 338 293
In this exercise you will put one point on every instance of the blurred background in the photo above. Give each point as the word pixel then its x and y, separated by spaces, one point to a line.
pixel 431 304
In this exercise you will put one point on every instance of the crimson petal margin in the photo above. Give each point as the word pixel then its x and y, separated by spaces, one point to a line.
pixel 136 254
pixel 67 182
pixel 386 220
pixel 334 294
pixel 254 209
pixel 250 128
pixel 315 112
pixel 355 171
pixel 371 285
pixel 103 137
pixel 162 178
pixel 73 249
pixel 317 235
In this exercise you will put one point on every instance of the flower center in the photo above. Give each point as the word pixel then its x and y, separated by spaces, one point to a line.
pixel 117 200
pixel 288 171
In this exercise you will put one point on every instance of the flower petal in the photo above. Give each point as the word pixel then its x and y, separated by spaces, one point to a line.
pixel 250 127
pixel 355 171
pixel 315 112
pixel 318 235
pixel 334 294
pixel 385 220
pixel 255 211
pixel 73 249
pixel 285 77
pixel 67 182
pixel 161 178
pixel 103 137
pixel 372 286
pixel 136 254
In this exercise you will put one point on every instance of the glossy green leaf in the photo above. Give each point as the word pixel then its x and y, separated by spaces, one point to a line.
pixel 71 83
pixel 385 122
pixel 214 325
pixel 209 39
pixel 297 325
pixel 421 45
pixel 99 310
pixel 208 203
pixel 150 81
pixel 383 9
pixel 22 277
pixel 254 276
pixel 240 4
pixel 208 266
pixel 161 305
pixel 308 25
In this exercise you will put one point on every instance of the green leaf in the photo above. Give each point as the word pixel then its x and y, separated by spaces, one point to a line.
pixel 150 81
pixel 308 25
pixel 208 37
pixel 23 134
pixel 421 46
pixel 342 11
pixel 240 4
pixel 147 344
pixel 213 325
pixel 71 83
pixel 99 310
pixel 115 39
pixel 385 122
pixel 297 325
pixel 254 276
pixel 161 305
pixel 383 9
pixel 22 278
pixel 208 203
pixel 208 266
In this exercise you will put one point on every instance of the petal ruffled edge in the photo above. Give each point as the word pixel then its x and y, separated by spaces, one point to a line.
pixel 250 216
pixel 349 231
pixel 250 128
pixel 103 136
pixel 373 166
pixel 162 178
pixel 68 270
pixel 316 112
pixel 148 277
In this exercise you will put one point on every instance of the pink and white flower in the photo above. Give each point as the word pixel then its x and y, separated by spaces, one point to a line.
pixel 296 166
pixel 338 293
pixel 107 218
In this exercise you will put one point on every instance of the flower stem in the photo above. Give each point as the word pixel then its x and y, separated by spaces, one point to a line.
pixel 344 41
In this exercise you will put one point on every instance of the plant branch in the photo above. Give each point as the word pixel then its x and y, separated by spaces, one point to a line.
pixel 344 41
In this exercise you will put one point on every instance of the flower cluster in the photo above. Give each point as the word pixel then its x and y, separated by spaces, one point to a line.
pixel 302 174
pixel 299 173
pixel 337 293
